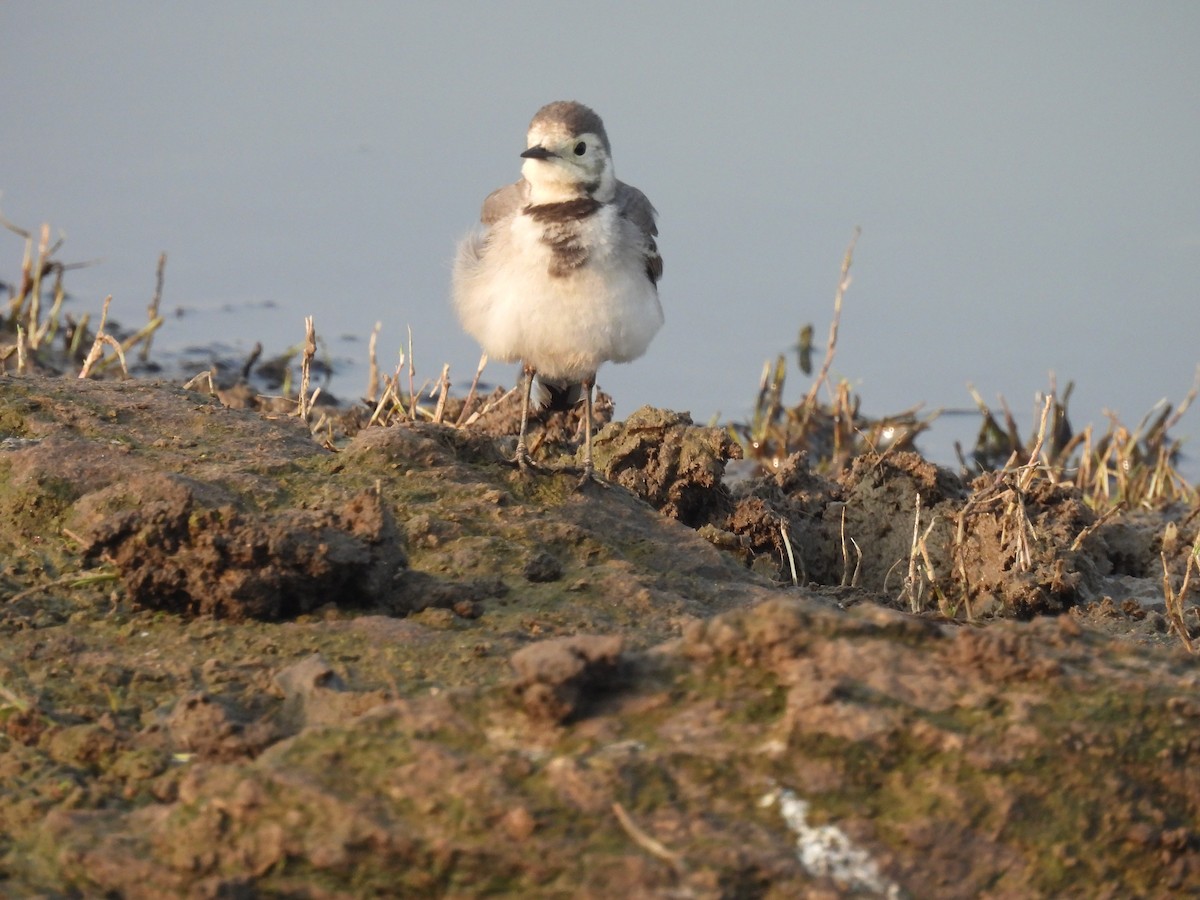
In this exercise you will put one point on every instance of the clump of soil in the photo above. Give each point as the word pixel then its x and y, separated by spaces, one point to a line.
pixel 990 547
pixel 177 555
pixel 554 678
pixel 235 663
pixel 673 465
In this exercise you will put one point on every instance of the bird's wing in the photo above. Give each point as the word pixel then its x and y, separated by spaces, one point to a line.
pixel 504 202
pixel 633 205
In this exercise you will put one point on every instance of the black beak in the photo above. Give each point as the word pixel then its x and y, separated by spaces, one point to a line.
pixel 538 152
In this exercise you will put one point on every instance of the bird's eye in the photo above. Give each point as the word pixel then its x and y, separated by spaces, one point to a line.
pixel 580 148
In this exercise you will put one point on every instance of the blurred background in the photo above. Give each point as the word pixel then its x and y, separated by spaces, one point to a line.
pixel 1026 176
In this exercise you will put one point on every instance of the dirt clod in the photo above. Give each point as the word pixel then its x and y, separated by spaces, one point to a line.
pixel 173 553
pixel 556 678
pixel 670 463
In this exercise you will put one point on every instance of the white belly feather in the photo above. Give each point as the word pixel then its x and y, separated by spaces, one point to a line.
pixel 564 327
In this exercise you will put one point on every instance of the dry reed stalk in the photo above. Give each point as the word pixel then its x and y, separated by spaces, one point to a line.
pixel 144 334
pixel 911 591
pixel 194 382
pixel 388 391
pixel 152 316
pixel 391 391
pixel 439 411
pixel 810 400
pixel 22 356
pixel 787 545
pixel 373 374
pixel 850 578
pixel 645 841
pixel 1175 599
pixel 466 407
pixel 310 349
pixel 17 303
pixel 50 327
pixel 103 338
pixel 929 573
pixel 412 372
pixel 1035 455
pixel 35 297
pixel 489 406
pixel 1095 526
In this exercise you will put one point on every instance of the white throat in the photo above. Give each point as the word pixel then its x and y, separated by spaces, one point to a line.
pixel 552 181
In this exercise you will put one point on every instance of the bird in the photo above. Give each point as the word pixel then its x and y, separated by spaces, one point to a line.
pixel 562 273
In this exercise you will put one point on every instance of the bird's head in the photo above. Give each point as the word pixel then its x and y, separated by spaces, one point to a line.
pixel 568 155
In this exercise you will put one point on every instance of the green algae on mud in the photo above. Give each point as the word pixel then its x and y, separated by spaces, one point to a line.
pixel 377 740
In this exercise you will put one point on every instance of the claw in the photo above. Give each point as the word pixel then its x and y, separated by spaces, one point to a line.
pixel 589 477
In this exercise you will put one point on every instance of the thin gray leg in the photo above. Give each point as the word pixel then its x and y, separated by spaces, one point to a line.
pixel 589 472
pixel 522 459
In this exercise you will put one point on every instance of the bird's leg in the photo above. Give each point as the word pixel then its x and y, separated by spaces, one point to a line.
pixel 522 458
pixel 589 473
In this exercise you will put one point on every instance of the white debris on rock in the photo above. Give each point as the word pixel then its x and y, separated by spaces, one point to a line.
pixel 826 851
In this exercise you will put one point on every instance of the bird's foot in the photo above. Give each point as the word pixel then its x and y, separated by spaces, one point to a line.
pixel 589 477
pixel 523 461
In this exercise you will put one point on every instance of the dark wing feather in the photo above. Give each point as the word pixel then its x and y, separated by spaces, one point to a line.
pixel 634 206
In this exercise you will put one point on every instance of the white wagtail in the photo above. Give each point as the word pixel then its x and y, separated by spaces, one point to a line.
pixel 564 274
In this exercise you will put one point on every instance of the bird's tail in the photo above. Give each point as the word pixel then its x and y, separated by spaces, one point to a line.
pixel 552 396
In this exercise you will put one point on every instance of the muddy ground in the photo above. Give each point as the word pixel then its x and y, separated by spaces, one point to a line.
pixel 234 663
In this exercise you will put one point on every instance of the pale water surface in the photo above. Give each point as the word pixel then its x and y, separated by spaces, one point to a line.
pixel 1026 176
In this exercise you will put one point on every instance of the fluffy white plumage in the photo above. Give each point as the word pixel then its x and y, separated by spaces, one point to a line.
pixel 563 275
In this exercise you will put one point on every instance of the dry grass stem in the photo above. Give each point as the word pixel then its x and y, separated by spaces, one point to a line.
pixel 489 406
pixel 1175 600
pixel 193 383
pixel 102 339
pixel 1101 520
pixel 831 343
pixel 22 356
pixel 645 841
pixel 1035 455
pixel 439 411
pixel 929 574
pixel 912 587
pixel 412 372
pixel 470 399
pixel 373 373
pixel 152 316
pixel 849 577
pixel 787 546
pixel 304 406
pixel 35 295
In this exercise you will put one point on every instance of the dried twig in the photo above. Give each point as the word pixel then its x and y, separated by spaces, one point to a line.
pixel 75 580
pixel 466 407
pixel 1031 467
pixel 412 372
pixel 373 374
pixel 1175 599
pixel 310 350
pixel 810 401
pixel 849 579
pixel 152 309
pixel 22 357
pixel 645 841
pixel 489 406
pixel 911 590
pixel 1091 529
pixel 103 338
pixel 787 545
pixel 439 411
